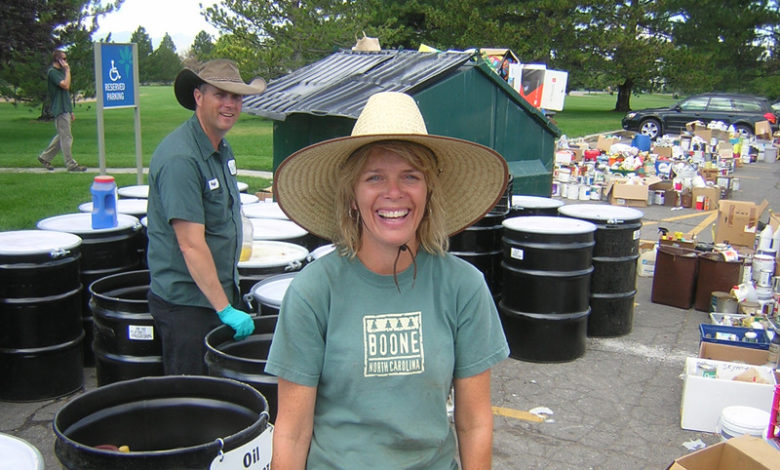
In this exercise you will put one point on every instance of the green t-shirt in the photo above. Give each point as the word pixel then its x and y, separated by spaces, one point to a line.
pixel 60 99
pixel 383 362
pixel 188 180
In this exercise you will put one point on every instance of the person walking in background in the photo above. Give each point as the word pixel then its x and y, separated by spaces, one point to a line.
pixel 372 337
pixel 58 82
pixel 194 219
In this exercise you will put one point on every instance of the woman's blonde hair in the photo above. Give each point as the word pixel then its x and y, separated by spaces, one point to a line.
pixel 430 233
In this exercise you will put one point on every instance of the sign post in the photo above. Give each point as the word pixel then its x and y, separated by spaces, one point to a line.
pixel 116 86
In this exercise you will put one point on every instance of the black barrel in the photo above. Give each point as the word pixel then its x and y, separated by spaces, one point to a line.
pixel 173 422
pixel 523 205
pixel 546 273
pixel 480 245
pixel 615 255
pixel 244 360
pixel 103 252
pixel 269 258
pixel 266 296
pixel 41 335
pixel 126 344
pixel 135 207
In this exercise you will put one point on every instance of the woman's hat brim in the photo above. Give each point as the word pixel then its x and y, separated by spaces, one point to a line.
pixel 472 177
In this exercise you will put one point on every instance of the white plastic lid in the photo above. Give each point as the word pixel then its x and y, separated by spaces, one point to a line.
pixel 138 191
pixel 242 186
pixel 601 212
pixel 276 229
pixel 323 250
pixel 265 210
pixel 548 224
pixel 136 207
pixel 271 291
pixel 36 242
pixel 535 202
pixel 81 223
pixel 247 199
pixel 266 254
pixel 18 454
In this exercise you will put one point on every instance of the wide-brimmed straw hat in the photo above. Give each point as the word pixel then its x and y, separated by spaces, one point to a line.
pixel 222 73
pixel 472 177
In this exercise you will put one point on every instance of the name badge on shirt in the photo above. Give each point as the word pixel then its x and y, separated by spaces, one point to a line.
pixel 213 184
pixel 232 167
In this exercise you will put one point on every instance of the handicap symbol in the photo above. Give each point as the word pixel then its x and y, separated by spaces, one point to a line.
pixel 113 73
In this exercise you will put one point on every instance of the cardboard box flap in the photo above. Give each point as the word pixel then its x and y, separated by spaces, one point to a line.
pixel 743 453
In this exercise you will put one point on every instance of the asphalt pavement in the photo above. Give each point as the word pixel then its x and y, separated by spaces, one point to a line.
pixel 615 407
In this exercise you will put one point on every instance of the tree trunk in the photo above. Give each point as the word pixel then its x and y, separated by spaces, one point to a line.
pixel 624 96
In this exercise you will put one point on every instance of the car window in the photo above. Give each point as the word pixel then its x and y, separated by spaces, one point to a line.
pixel 696 103
pixel 719 103
pixel 742 104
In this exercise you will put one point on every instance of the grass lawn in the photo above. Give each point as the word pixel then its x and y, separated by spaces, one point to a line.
pixel 26 198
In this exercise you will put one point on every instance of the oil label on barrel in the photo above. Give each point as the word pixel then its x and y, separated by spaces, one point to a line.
pixel 517 253
pixel 255 454
pixel 140 332
pixel 636 234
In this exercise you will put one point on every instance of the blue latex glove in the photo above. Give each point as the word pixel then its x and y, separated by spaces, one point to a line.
pixel 238 320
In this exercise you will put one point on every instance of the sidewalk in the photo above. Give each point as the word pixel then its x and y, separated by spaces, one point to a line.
pixel 616 407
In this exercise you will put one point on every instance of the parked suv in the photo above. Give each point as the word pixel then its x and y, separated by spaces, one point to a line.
pixel 741 111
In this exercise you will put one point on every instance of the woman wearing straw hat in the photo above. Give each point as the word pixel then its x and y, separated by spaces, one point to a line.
pixel 372 336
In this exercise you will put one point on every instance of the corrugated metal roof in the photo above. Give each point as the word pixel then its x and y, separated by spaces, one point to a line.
pixel 340 84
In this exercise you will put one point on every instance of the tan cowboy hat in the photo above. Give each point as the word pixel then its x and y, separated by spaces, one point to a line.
pixel 473 177
pixel 222 73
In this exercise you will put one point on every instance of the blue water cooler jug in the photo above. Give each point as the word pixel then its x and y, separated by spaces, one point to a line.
pixel 103 191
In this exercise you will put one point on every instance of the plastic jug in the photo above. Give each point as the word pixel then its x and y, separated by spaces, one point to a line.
pixel 103 191
pixel 247 238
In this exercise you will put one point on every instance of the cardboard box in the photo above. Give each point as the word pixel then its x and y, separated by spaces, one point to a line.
pixel 743 453
pixel 670 195
pixel 703 398
pixel 711 195
pixel 763 130
pixel 266 195
pixel 737 222
pixel 632 193
pixel 662 151
pixel 709 174
pixel 729 353
pixel 605 143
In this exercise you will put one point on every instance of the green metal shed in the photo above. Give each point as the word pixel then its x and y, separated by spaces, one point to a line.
pixel 458 94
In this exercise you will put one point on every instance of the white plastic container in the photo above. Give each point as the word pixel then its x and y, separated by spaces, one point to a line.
pixel 739 420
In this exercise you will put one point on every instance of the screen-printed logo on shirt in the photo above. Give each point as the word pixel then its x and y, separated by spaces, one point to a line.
pixel 393 344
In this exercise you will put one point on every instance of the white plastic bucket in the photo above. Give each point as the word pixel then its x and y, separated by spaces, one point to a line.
pixel 739 420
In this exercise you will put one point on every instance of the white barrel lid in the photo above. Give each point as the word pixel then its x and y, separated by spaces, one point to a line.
pixel 535 202
pixel 601 212
pixel 136 207
pixel 145 221
pixel 18 454
pixel 267 253
pixel 242 187
pixel 264 210
pixel 271 291
pixel 276 229
pixel 138 191
pixel 35 242
pixel 323 250
pixel 247 199
pixel 81 223
pixel 548 224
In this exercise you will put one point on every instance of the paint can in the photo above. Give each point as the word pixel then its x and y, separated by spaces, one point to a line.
pixel 723 302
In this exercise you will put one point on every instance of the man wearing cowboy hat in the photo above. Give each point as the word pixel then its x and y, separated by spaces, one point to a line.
pixel 194 218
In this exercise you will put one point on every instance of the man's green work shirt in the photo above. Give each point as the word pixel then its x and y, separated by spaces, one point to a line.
pixel 60 99
pixel 190 181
